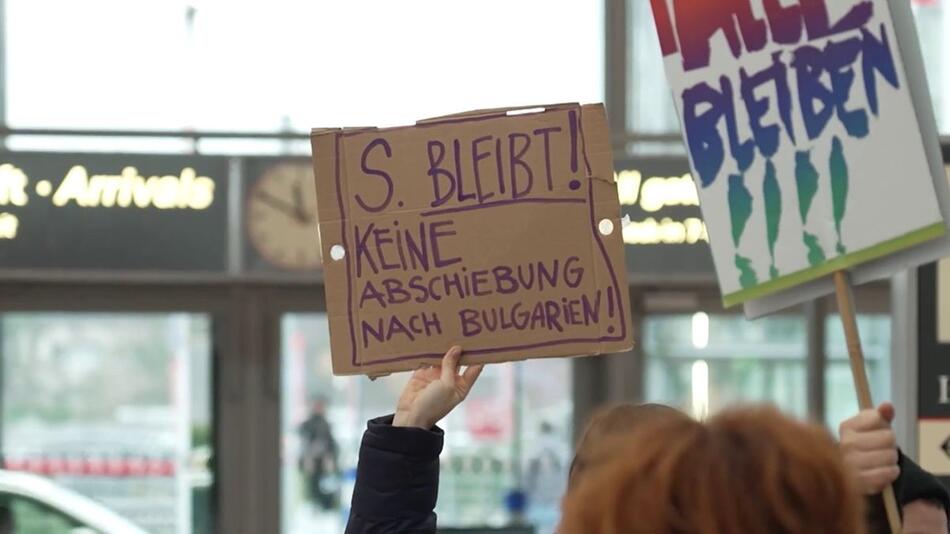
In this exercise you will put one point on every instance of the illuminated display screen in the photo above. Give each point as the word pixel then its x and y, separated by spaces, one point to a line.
pixel 112 212
pixel 170 213
pixel 665 234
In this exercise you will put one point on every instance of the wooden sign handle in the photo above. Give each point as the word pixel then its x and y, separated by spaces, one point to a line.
pixel 859 373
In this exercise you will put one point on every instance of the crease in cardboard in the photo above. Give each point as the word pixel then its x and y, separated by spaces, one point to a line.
pixel 497 112
pixel 343 183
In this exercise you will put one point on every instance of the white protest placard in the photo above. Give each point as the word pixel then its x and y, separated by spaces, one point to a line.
pixel 811 138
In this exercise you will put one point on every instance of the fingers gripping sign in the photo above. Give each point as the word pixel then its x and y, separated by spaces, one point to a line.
pixel 433 392
pixel 870 448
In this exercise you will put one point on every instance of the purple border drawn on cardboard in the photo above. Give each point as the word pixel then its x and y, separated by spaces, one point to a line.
pixel 619 337
pixel 580 131
pixel 349 284
pixel 349 281
pixel 497 203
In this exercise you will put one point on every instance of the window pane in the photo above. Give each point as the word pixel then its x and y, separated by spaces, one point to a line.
pixel 31 517
pixel 726 360
pixel 116 407
pixel 513 431
pixel 841 401
pixel 120 67
pixel 651 108
pixel 649 100
pixel 933 26
pixel 283 64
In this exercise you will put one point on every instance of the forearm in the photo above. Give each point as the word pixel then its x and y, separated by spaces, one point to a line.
pixel 397 477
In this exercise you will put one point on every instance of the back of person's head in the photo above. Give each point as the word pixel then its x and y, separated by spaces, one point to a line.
pixel 593 447
pixel 746 471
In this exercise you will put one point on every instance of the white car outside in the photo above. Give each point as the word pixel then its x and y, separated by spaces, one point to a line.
pixel 23 491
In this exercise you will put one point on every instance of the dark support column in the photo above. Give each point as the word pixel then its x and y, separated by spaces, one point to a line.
pixel 3 68
pixel 815 312
pixel 615 65
pixel 626 371
pixel 933 379
pixel 269 422
pixel 230 436
pixel 3 395
pixel 248 417
pixel 590 389
pixel 261 353
pixel 904 358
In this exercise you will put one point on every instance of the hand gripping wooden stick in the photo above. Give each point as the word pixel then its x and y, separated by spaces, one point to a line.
pixel 859 373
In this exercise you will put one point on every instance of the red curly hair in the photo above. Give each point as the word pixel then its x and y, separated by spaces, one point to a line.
pixel 745 471
pixel 594 445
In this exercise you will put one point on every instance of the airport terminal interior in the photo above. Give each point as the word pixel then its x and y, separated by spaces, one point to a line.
pixel 165 347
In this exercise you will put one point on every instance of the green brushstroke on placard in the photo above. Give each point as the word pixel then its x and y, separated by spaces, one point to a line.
pixel 852 259
pixel 773 211
pixel 806 178
pixel 839 186
pixel 740 206
pixel 816 255
pixel 747 276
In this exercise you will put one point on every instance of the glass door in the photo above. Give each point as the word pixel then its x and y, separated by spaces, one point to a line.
pixel 511 436
pixel 841 401
pixel 114 406
pixel 699 362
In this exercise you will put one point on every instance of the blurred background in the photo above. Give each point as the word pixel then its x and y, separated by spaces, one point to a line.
pixel 165 351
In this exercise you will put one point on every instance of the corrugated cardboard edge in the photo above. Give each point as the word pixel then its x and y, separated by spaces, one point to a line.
pixel 497 112
pixel 324 145
pixel 595 144
pixel 599 164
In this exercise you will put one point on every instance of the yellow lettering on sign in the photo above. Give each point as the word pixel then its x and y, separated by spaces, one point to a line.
pixel 628 187
pixel 8 225
pixel 652 195
pixel 202 193
pixel 141 192
pixel 104 190
pixel 124 197
pixel 164 192
pixel 72 188
pixel 13 184
pixel 656 192
pixel 665 232
pixel 130 188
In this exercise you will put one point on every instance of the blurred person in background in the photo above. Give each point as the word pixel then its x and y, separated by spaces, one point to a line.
pixel 546 480
pixel 747 470
pixel 319 459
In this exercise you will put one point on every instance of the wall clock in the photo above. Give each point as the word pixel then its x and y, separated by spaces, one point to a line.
pixel 282 217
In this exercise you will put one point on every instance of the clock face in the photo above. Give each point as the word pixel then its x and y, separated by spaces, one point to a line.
pixel 282 217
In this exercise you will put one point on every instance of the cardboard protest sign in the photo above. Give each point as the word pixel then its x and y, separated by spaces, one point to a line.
pixel 493 230
pixel 809 139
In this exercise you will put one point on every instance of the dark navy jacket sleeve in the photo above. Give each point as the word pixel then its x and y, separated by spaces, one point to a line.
pixel 397 480
pixel 914 483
